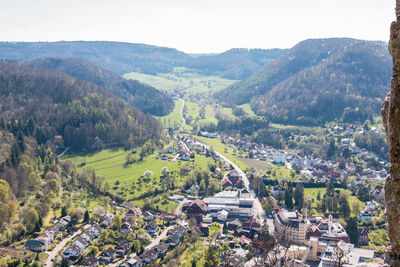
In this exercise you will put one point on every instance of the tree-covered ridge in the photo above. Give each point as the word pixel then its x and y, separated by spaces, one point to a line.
pixel 122 58
pixel 145 97
pixel 237 63
pixel 318 81
pixel 51 106
pixel 117 57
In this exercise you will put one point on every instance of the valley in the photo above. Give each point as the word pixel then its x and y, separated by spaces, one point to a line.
pixel 189 160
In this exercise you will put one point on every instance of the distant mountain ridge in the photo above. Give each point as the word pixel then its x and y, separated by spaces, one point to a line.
pixel 145 97
pixel 318 80
pixel 122 58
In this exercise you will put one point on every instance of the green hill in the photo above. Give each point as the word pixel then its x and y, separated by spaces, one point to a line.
pixel 145 97
pixel 317 81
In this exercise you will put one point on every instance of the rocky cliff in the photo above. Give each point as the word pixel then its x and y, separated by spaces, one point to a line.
pixel 391 119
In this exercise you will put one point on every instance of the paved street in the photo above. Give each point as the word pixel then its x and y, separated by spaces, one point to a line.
pixel 59 247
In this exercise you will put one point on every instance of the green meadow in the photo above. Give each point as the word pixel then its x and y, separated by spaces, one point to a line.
pixel 182 79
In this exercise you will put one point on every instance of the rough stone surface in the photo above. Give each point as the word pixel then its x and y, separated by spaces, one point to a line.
pixel 391 121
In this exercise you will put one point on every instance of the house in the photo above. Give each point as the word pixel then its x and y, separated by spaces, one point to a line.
pixel 126 228
pixel 54 229
pixel 72 252
pixel 164 157
pixel 179 231
pixel 106 219
pixel 173 240
pixel 204 230
pixel 47 237
pixel 233 174
pixel 162 248
pixel 365 216
pixel 151 228
pixel 90 261
pixel 222 215
pixel 107 256
pixel 133 262
pixel 243 240
pixel 81 242
pixel 149 256
pixel 148 216
pixel 130 213
pixel 122 248
pixel 197 206
pixel 235 225
pixel 96 230
pixel 65 222
pixel 88 235
pixel 363 239
pixel 36 245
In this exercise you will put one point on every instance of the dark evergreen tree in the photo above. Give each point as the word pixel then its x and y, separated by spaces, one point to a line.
pixel 352 230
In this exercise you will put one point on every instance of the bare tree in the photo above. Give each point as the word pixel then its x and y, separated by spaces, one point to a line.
pixel 338 254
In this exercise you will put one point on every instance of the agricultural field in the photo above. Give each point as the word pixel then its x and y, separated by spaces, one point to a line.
pixel 223 149
pixel 126 179
pixel 174 119
pixel 182 79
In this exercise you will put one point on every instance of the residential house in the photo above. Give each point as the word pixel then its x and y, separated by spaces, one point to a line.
pixel 133 262
pixel 197 206
pixel 126 228
pixel 106 219
pixel 148 216
pixel 162 248
pixel 365 216
pixel 122 248
pixel 47 237
pixel 96 230
pixel 130 213
pixel 90 261
pixel 107 256
pixel 151 228
pixel 173 240
pixel 72 252
pixel 88 235
pixel 149 256
pixel 36 245
pixel 81 242
pixel 204 230
pixel 65 222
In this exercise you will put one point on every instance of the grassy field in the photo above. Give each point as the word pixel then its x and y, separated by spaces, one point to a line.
pixel 173 120
pixel 247 109
pixel 182 79
pixel 110 164
pixel 313 192
pixel 226 151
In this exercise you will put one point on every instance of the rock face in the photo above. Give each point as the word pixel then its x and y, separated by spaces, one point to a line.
pixel 391 121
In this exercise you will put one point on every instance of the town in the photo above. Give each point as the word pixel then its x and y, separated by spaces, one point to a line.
pixel 253 226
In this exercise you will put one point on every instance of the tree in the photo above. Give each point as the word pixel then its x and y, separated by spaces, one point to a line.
pixel 344 209
pixel 164 171
pixel 352 230
pixel 3 190
pixel 117 222
pixel 355 207
pixel 63 211
pixel 148 173
pixel 299 196
pixel 86 216
pixel 288 200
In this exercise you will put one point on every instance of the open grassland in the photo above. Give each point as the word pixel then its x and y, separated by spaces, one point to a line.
pixel 313 193
pixel 182 79
pixel 174 119
pixel 111 164
pixel 248 110
pixel 223 149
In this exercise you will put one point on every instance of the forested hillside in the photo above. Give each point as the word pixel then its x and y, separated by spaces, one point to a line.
pixel 122 58
pixel 145 97
pixel 117 57
pixel 317 81
pixel 46 104
pixel 236 64
pixel 42 113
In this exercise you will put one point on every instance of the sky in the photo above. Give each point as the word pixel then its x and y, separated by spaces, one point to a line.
pixel 196 26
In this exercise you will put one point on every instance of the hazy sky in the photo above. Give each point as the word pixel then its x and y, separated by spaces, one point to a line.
pixel 195 25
